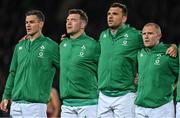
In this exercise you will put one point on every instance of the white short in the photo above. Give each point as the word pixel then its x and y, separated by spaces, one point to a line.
pixel 164 111
pixel 28 110
pixel 89 111
pixel 116 107
pixel 178 110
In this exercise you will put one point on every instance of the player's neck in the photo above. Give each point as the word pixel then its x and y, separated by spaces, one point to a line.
pixel 76 35
pixel 35 36
pixel 114 31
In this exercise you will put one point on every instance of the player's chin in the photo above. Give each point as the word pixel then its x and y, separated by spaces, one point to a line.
pixel 29 33
pixel 70 32
pixel 110 25
pixel 148 45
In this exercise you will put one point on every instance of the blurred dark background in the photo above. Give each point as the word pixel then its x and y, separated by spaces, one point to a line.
pixel 164 12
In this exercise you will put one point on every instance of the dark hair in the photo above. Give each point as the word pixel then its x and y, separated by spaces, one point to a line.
pixel 122 6
pixel 37 13
pixel 82 14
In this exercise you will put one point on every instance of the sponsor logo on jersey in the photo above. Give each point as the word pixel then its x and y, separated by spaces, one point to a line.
pixel 20 48
pixel 65 44
pixel 141 55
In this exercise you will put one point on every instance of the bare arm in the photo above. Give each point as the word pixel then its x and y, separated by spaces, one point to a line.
pixel 55 103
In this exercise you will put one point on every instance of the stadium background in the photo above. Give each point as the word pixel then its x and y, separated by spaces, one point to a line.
pixel 164 12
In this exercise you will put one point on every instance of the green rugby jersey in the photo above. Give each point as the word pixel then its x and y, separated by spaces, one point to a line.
pixel 118 60
pixel 78 78
pixel 32 70
pixel 157 72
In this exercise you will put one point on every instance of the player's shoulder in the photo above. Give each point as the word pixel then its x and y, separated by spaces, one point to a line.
pixel 134 31
pixel 49 42
pixel 105 31
pixel 90 39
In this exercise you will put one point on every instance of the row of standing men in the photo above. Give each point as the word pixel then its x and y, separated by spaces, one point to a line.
pixel 96 77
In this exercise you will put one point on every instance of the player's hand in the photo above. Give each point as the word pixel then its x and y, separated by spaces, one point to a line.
pixel 4 104
pixel 24 38
pixel 63 37
pixel 172 50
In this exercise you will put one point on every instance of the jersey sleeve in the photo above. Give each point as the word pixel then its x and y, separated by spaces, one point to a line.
pixel 174 65
pixel 55 55
pixel 97 50
pixel 11 76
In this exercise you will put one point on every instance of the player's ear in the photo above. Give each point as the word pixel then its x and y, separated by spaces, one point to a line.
pixel 124 19
pixel 41 24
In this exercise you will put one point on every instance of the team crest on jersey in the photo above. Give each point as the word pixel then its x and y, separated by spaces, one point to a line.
pixel 125 35
pixel 157 60
pixel 83 47
pixel 42 47
pixel 82 52
pixel 125 43
pixel 41 54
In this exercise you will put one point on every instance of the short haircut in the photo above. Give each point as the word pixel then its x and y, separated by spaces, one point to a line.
pixel 83 15
pixel 121 6
pixel 158 29
pixel 37 13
